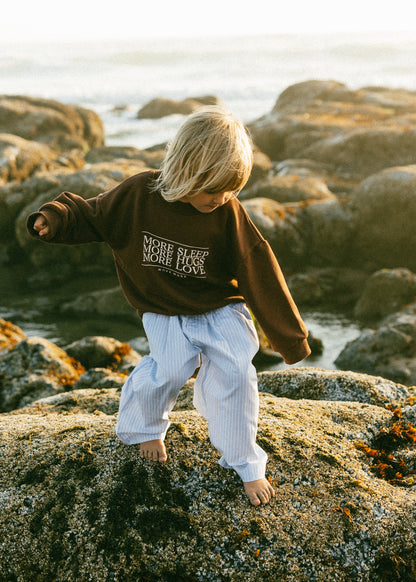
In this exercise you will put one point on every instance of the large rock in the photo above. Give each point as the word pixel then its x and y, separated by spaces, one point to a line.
pixel 101 351
pixel 62 127
pixel 327 229
pixel 332 286
pixel 150 159
pixel 356 132
pixel 289 188
pixel 34 368
pixel 281 225
pixel 19 157
pixel 385 292
pixel 336 183
pixel 76 504
pixel 365 151
pixel 383 211
pixel 161 107
pixel 101 303
pixel 389 350
pixel 316 384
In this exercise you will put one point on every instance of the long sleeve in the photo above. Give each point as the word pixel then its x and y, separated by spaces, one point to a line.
pixel 264 288
pixel 263 285
pixel 71 219
pixel 106 217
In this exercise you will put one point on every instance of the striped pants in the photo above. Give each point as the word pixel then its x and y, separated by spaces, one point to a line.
pixel 222 342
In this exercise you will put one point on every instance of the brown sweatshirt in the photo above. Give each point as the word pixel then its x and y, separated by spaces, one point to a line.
pixel 172 259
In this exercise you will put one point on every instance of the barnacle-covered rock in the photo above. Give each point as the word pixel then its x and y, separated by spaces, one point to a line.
pixel 317 384
pixel 77 504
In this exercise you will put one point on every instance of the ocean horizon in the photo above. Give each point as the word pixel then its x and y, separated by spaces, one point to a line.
pixel 116 78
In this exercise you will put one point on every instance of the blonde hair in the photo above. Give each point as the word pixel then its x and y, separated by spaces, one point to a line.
pixel 211 152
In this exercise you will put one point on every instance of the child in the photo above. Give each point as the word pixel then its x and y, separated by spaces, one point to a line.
pixel 188 258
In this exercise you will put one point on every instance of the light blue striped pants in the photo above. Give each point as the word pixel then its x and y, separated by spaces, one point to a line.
pixel 223 342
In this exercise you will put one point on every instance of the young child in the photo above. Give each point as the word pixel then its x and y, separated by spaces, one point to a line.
pixel 188 259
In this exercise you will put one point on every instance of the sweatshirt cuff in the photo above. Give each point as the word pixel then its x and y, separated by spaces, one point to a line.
pixel 298 352
pixel 52 221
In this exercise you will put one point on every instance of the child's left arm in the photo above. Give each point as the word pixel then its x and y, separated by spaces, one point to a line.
pixel 264 287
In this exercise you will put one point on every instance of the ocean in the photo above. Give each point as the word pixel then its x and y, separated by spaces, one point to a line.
pixel 116 78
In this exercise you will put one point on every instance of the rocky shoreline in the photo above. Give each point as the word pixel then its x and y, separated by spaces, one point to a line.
pixel 333 191
pixel 78 504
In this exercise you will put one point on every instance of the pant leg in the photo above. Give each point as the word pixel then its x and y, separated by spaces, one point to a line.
pixel 152 388
pixel 226 391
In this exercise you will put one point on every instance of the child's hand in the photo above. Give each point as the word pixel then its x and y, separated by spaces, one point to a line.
pixel 41 225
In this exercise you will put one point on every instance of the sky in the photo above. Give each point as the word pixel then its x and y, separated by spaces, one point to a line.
pixel 50 20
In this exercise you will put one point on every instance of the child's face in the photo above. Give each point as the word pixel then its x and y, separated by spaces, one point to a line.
pixel 206 202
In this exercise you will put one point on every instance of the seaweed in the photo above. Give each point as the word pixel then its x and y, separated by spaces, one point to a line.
pixel 384 446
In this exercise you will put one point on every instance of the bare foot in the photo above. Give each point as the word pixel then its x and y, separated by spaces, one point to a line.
pixel 259 491
pixel 153 451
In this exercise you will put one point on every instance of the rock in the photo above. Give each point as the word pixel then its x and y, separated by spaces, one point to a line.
pixel 355 132
pixel 62 127
pixel 34 368
pixel 289 188
pixel 305 289
pixel 101 303
pixel 332 286
pixel 389 350
pixel 316 345
pixel 103 398
pixel 77 504
pixel 362 152
pixel 19 158
pixel 327 229
pixel 385 292
pixel 150 159
pixel 305 92
pixel 161 107
pixel 383 211
pixel 10 334
pixel 304 168
pixel 280 225
pixel 99 351
pixel 101 378
pixel 315 384
pixel 97 400
pixel 261 167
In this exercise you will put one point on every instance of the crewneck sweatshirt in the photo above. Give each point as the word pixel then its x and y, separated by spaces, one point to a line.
pixel 174 260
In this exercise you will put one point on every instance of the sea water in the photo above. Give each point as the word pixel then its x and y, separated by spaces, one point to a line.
pixel 116 78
